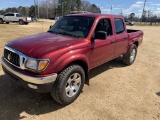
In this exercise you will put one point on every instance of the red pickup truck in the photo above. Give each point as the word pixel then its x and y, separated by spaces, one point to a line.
pixel 58 61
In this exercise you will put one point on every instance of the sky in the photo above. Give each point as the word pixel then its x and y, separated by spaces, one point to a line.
pixel 118 6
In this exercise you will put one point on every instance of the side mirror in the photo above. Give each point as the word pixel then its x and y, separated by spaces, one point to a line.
pixel 50 27
pixel 100 35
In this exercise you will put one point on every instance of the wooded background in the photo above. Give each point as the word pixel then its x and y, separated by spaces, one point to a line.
pixel 52 8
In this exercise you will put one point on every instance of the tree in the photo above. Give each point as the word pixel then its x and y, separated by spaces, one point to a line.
pixel 24 11
pixel 78 5
pixel 95 9
pixel 131 16
pixel 86 5
pixel 144 16
pixel 32 11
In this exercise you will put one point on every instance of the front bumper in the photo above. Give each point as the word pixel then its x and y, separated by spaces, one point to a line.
pixel 38 83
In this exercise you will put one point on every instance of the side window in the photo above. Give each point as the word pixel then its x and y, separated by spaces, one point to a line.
pixel 104 25
pixel 119 25
pixel 6 15
pixel 9 15
pixel 18 15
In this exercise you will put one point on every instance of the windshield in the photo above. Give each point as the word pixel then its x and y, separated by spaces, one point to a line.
pixel 73 26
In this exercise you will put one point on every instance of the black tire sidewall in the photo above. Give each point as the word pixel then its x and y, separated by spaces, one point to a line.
pixel 21 22
pixel 126 57
pixel 131 49
pixel 1 21
pixel 63 98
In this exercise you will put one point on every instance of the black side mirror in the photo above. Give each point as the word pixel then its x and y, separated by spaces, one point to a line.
pixel 100 35
pixel 50 27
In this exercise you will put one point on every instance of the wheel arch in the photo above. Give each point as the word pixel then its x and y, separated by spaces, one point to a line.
pixel 81 63
pixel 136 43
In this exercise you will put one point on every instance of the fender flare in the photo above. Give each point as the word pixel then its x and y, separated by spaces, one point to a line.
pixel 60 64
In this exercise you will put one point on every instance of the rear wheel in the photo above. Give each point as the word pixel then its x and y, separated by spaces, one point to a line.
pixel 21 22
pixel 130 56
pixel 7 22
pixel 1 21
pixel 68 85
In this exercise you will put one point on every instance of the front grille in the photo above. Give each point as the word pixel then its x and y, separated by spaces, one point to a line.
pixel 12 57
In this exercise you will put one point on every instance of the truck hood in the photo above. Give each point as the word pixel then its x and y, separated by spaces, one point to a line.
pixel 39 44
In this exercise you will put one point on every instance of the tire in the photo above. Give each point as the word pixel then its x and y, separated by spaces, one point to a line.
pixel 21 22
pixel 130 56
pixel 1 21
pixel 68 85
pixel 26 23
pixel 7 22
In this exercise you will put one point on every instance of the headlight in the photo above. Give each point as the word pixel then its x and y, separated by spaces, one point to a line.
pixel 32 64
pixel 36 64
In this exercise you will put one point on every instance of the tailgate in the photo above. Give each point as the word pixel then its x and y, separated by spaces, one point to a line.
pixel 29 19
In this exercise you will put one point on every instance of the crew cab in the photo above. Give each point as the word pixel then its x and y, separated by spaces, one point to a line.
pixel 58 61
pixel 14 17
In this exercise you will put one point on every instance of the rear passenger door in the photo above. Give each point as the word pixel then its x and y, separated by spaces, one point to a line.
pixel 8 17
pixel 121 41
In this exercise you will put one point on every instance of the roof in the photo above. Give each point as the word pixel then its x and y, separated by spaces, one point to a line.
pixel 95 15
pixel 12 13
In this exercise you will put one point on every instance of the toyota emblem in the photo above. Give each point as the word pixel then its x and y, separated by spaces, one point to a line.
pixel 9 56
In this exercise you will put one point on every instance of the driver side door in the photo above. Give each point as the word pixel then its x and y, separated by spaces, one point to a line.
pixel 102 51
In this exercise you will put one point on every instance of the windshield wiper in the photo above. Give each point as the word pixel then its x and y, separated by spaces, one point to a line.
pixel 65 33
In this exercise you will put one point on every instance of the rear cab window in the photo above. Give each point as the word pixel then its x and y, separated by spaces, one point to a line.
pixel 119 25
pixel 19 15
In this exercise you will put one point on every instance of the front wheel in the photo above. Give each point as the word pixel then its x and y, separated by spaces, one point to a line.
pixel 68 85
pixel 130 56
pixel 1 21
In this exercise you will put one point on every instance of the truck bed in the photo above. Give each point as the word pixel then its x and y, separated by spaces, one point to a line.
pixel 130 31
pixel 135 35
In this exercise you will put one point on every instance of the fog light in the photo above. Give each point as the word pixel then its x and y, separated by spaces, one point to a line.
pixel 32 86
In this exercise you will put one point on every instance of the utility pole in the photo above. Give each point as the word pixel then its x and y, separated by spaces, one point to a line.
pixel 35 6
pixel 143 9
pixel 47 8
pixel 63 7
pixel 38 8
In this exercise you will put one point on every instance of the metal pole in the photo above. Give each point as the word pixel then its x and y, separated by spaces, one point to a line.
pixel 38 8
pixel 62 8
pixel 143 10
pixel 111 9
pixel 47 8
pixel 35 7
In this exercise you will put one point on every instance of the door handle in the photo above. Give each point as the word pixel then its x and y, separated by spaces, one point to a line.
pixel 112 41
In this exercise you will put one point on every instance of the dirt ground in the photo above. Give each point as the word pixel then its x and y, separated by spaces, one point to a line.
pixel 116 91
